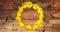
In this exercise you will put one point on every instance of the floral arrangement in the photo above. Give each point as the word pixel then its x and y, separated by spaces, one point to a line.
pixel 35 7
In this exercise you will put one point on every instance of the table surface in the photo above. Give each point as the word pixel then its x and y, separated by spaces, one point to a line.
pixel 30 16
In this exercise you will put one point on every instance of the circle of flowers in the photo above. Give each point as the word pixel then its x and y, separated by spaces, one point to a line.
pixel 35 7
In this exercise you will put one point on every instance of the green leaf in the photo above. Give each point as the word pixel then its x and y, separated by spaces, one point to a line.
pixel 41 0
pixel 6 19
pixel 49 6
pixel 11 17
pixel 21 1
pixel 5 22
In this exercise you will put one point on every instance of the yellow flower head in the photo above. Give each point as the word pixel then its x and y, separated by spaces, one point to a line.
pixel 36 6
pixel 29 4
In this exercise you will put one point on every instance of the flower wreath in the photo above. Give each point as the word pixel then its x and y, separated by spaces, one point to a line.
pixel 34 6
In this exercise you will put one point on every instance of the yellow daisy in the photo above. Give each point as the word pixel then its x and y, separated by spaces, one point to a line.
pixel 29 4
pixel 35 6
pixel 21 24
pixel 28 26
pixel 35 26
